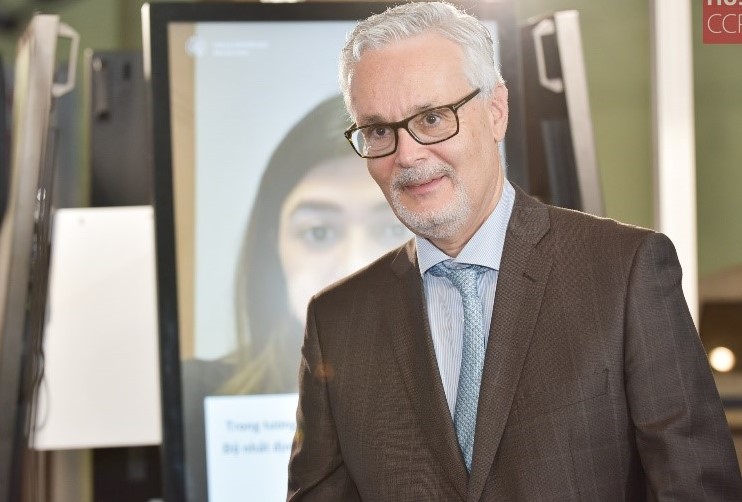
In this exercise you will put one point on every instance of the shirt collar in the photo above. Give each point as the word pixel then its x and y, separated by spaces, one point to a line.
pixel 486 245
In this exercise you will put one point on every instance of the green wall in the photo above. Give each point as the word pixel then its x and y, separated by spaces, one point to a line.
pixel 718 93
pixel 616 38
pixel 99 24
pixel 97 21
pixel 616 46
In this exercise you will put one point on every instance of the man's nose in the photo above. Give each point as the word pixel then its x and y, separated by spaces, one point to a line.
pixel 409 151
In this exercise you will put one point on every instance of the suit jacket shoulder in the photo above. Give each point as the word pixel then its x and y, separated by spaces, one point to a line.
pixel 373 278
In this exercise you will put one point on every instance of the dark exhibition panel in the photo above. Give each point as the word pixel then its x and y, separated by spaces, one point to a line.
pixel 562 166
pixel 120 164
pixel 24 248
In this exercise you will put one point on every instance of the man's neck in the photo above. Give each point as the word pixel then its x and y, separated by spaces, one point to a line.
pixel 453 246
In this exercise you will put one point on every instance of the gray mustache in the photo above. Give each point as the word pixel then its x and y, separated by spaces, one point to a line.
pixel 421 174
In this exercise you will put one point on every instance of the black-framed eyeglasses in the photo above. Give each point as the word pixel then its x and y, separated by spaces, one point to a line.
pixel 427 128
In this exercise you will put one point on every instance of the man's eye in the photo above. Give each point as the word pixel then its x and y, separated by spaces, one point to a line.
pixel 432 118
pixel 380 132
pixel 429 120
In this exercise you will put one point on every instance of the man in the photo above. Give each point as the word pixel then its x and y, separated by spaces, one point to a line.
pixel 511 351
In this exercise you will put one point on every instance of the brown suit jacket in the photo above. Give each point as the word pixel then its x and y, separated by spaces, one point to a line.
pixel 595 383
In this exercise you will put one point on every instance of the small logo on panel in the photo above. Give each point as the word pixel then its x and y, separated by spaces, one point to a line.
pixel 196 46
pixel 722 21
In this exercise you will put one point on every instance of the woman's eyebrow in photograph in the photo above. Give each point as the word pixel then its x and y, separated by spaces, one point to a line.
pixel 315 206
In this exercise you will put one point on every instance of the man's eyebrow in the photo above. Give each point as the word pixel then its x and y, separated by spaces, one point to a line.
pixel 368 120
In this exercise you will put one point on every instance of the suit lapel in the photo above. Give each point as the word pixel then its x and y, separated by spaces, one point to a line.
pixel 413 349
pixel 521 283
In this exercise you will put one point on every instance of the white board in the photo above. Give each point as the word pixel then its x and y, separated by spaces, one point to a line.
pixel 101 385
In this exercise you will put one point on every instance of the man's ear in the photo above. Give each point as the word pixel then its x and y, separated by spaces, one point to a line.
pixel 498 107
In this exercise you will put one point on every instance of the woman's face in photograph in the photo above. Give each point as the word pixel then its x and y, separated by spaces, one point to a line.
pixel 334 222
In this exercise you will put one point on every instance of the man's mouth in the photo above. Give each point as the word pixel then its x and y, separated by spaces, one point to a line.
pixel 423 187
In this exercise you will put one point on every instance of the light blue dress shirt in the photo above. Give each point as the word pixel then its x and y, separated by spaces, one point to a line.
pixel 445 310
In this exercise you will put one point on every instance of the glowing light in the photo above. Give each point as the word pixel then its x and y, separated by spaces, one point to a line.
pixel 722 359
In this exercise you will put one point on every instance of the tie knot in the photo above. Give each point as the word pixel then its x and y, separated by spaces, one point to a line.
pixel 462 275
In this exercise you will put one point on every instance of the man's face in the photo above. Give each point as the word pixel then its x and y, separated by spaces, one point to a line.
pixel 445 191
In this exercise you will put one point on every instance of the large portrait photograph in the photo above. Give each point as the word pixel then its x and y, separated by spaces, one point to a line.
pixel 281 208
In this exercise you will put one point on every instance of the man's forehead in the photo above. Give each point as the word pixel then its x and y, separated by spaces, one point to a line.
pixel 406 77
pixel 401 99
pixel 372 117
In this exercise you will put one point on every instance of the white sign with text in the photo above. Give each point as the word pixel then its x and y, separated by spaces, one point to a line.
pixel 248 443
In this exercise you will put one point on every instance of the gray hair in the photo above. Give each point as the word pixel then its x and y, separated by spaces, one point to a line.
pixel 411 19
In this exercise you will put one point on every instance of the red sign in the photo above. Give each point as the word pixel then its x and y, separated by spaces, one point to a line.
pixel 722 21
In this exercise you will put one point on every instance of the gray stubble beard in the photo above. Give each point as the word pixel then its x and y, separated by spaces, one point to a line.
pixel 439 224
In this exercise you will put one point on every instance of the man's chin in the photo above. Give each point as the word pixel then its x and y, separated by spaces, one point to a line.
pixel 427 207
pixel 431 218
pixel 430 225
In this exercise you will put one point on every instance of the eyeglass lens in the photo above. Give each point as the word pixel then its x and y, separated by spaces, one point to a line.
pixel 430 126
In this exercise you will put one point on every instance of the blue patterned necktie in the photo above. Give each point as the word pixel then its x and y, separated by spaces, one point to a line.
pixel 464 278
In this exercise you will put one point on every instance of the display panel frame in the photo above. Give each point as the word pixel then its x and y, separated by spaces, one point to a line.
pixel 157 18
